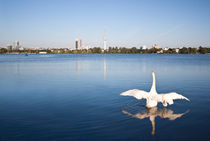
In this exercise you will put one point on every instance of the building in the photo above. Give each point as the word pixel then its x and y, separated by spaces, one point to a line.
pixel 69 47
pixel 177 50
pixel 156 46
pixel 160 52
pixel 104 40
pixel 21 48
pixel 16 45
pixel 166 48
pixel 143 47
pixel 78 43
pixel 42 52
pixel 9 47
pixel 86 47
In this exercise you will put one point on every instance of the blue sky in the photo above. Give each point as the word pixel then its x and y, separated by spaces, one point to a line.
pixel 56 23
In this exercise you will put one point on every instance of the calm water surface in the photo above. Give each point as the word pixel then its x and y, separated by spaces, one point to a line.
pixel 77 97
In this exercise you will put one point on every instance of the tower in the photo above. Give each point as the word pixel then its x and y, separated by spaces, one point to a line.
pixel 78 44
pixel 16 45
pixel 104 39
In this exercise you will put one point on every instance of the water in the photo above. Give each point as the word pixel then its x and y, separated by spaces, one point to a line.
pixel 76 97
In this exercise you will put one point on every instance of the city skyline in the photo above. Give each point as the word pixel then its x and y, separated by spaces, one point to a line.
pixel 56 23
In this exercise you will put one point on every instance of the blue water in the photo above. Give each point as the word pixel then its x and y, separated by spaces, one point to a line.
pixel 77 97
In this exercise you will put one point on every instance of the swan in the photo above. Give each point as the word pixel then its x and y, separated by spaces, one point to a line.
pixel 154 112
pixel 153 97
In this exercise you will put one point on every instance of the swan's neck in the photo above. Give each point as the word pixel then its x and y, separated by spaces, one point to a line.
pixel 153 89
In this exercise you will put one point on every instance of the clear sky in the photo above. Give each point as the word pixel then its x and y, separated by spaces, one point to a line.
pixel 56 23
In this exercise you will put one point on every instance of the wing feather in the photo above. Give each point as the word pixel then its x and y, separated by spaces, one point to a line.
pixel 169 97
pixel 138 94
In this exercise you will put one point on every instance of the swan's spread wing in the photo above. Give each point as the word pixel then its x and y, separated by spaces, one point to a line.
pixel 138 94
pixel 169 97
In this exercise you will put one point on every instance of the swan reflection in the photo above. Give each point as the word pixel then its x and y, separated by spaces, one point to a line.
pixel 154 112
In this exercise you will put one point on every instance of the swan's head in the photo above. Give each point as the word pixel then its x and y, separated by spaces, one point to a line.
pixel 153 74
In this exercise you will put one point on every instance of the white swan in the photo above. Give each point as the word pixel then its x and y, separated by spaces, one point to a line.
pixel 153 97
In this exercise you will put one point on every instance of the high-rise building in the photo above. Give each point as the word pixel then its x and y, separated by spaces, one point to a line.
pixel 16 45
pixel 78 43
pixel 104 40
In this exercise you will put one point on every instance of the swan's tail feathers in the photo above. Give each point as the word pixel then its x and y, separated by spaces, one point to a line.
pixel 138 94
pixel 169 97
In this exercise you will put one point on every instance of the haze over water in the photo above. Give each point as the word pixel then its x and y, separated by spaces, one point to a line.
pixel 77 97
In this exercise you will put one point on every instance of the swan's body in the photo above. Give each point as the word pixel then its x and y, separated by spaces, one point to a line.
pixel 154 112
pixel 153 97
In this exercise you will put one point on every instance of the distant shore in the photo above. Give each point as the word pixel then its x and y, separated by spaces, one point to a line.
pixel 111 50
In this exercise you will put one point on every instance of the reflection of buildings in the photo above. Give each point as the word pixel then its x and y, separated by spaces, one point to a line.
pixel 104 69
pixel 78 66
pixel 152 113
pixel 17 69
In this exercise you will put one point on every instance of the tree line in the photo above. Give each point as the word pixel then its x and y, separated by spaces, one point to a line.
pixel 113 50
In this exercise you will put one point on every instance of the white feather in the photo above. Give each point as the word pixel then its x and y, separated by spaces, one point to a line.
pixel 138 94
pixel 153 97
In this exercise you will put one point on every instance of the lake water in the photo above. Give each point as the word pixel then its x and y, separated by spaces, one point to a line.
pixel 77 97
